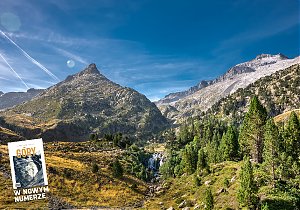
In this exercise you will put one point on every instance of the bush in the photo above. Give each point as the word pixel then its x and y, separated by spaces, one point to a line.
pixel 67 173
pixel 52 170
pixel 226 182
pixel 197 181
pixel 133 186
pixel 117 169
pixel 209 200
pixel 95 168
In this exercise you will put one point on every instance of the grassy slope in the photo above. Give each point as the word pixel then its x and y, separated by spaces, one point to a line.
pixel 72 180
pixel 184 188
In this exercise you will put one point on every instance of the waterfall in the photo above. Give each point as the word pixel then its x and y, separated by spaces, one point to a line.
pixel 155 162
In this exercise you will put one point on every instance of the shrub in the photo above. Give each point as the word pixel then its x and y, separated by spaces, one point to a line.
pixel 117 169
pixel 95 168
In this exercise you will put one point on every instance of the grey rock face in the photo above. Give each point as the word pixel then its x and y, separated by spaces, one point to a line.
pixel 201 97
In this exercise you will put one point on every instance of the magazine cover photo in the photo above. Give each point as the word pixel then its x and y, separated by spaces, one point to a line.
pixel 27 163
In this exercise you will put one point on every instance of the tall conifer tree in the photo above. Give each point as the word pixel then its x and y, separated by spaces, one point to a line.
pixel 229 145
pixel 252 130
pixel 246 191
pixel 292 137
pixel 271 147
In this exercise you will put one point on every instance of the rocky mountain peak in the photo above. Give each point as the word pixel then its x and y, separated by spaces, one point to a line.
pixel 91 69
pixel 1 93
pixel 278 56
pixel 88 102
pixel 89 74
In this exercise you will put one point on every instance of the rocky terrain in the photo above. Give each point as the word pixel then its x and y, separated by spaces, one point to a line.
pixel 11 99
pixel 86 103
pixel 201 97
pixel 279 93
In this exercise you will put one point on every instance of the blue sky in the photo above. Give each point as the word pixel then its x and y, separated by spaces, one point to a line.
pixel 153 46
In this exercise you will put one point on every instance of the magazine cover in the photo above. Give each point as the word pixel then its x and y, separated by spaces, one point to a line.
pixel 27 162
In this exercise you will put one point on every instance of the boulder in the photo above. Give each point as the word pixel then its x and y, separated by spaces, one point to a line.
pixel 220 191
pixel 207 182
pixel 182 204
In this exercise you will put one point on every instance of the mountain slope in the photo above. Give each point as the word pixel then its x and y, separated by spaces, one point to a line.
pixel 88 102
pixel 11 99
pixel 279 93
pixel 239 76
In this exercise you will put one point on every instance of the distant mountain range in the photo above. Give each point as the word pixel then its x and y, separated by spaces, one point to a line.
pixel 180 105
pixel 11 99
pixel 85 103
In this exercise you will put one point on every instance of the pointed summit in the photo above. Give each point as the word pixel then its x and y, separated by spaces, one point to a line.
pixel 91 69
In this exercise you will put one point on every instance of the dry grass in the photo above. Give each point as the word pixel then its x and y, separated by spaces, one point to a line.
pixel 59 162
pixel 7 131
pixel 74 182
pixel 285 116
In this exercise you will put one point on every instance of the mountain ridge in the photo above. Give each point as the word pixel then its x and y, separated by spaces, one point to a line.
pixel 87 102
pixel 11 99
pixel 237 69
pixel 239 76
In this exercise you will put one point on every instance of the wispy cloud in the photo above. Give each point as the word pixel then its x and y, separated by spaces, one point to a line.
pixel 4 78
pixel 17 75
pixel 30 58
pixel 71 55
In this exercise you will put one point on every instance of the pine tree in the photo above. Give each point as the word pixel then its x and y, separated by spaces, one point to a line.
pixel 196 142
pixel 212 152
pixel 189 158
pixel 292 136
pixel 208 133
pixel 184 134
pixel 246 191
pixel 168 167
pixel 271 147
pixel 209 200
pixel 202 162
pixel 229 145
pixel 252 131
pixel 117 169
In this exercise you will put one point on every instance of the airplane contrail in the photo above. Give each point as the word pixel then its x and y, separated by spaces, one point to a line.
pixel 31 58
pixel 14 71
